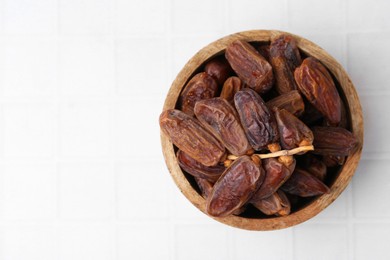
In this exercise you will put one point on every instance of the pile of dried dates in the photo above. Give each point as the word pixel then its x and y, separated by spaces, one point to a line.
pixel 260 128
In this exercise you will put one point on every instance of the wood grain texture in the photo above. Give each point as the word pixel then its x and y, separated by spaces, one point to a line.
pixel 347 171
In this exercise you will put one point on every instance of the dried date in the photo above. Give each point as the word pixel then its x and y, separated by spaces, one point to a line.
pixel 292 131
pixel 335 141
pixel 276 204
pixel 231 86
pixel 219 69
pixel 221 119
pixel 343 119
pixel 258 122
pixel 285 58
pixel 275 175
pixel 304 184
pixel 201 86
pixel 189 136
pixel 196 169
pixel 234 188
pixel 315 82
pixel 291 101
pixel 253 69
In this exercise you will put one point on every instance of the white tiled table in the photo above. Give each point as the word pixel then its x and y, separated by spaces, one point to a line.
pixel 82 84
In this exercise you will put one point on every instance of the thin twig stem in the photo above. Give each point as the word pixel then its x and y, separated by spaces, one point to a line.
pixel 279 153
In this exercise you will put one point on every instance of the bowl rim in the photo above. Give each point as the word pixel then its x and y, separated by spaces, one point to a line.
pixel 347 171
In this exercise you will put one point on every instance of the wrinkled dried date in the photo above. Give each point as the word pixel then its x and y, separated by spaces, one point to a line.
pixel 206 188
pixel 343 119
pixel 291 101
pixel 196 169
pixel 220 118
pixel 258 122
pixel 201 86
pixel 275 175
pixel 292 131
pixel 315 82
pixel 219 69
pixel 285 58
pixel 231 86
pixel 276 204
pixel 250 66
pixel 189 136
pixel 304 184
pixel 335 141
pixel 234 188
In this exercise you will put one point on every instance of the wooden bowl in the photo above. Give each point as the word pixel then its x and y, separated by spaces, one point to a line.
pixel 344 175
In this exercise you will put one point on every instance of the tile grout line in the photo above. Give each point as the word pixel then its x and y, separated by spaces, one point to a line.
pixel 112 102
pixel 58 131
pixel 169 33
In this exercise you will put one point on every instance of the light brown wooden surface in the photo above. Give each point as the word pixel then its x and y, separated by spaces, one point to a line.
pixel 348 169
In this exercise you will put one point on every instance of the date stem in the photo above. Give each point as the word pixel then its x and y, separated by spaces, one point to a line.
pixel 279 153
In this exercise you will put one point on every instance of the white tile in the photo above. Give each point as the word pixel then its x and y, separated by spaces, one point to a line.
pixel 29 130
pixel 254 15
pixel 364 15
pixel 86 241
pixel 304 15
pixel 140 16
pixel 198 17
pixel 2 17
pixel 30 67
pixel 136 128
pixel 33 242
pixel 141 194
pixel 86 190
pixel 85 16
pixel 2 124
pixel 86 66
pixel 148 240
pixel 320 241
pixel 187 236
pixel 370 186
pixel 29 191
pixel 273 244
pixel 371 241
pixel 24 16
pixel 84 130
pixel 184 48
pixel 332 43
pixel 182 208
pixel 376 125
pixel 141 66
pixel 367 61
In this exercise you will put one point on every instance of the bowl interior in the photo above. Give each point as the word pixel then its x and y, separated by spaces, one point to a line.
pixel 341 176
